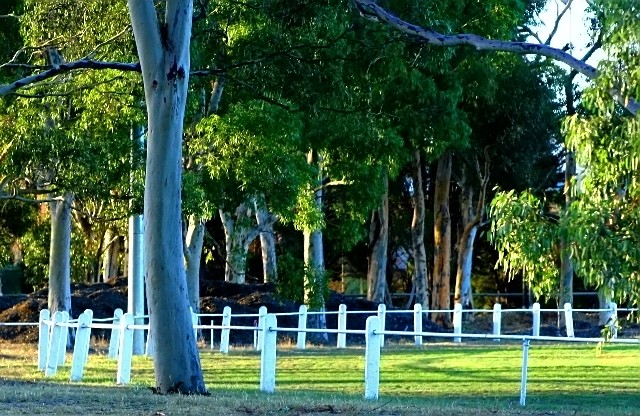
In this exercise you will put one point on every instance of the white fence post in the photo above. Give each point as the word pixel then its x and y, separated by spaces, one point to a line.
pixel 613 321
pixel 342 326
pixel 43 338
pixel 417 322
pixel 54 345
pixel 262 312
pixel 568 319
pixel 497 320
pixel 64 338
pixel 372 358
pixel 268 354
pixel 114 341
pixel 302 325
pixel 457 321
pixel 149 350
pixel 81 346
pixel 224 333
pixel 525 368
pixel 382 314
pixel 125 350
pixel 535 331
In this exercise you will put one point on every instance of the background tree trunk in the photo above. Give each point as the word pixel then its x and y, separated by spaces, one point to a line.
pixel 194 240
pixel 265 222
pixel 462 293
pixel 239 232
pixel 314 282
pixel 442 242
pixel 420 273
pixel 59 298
pixel 111 253
pixel 566 264
pixel 165 63
pixel 378 290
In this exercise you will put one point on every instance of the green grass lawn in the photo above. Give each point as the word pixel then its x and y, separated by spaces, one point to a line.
pixel 435 380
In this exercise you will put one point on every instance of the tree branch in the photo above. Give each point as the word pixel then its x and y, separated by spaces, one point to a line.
pixel 66 67
pixel 371 11
pixel 557 22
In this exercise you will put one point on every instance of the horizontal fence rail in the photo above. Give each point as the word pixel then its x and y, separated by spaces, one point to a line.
pixel 54 334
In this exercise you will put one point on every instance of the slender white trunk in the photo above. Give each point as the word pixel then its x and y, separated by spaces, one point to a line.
pixel 194 240
pixel 165 63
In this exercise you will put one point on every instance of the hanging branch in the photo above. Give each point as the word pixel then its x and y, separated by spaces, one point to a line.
pixel 371 11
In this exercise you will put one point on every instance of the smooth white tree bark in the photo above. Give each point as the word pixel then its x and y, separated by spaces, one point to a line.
pixel 163 49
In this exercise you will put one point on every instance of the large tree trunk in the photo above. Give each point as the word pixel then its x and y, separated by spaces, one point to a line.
pixel 239 231
pixel 420 273
pixel 265 222
pixel 378 290
pixel 442 242
pixel 60 255
pixel 163 50
pixel 194 240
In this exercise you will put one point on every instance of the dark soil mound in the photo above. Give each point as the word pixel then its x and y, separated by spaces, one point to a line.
pixel 104 298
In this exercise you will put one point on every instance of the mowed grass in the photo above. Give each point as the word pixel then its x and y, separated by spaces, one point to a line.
pixel 442 379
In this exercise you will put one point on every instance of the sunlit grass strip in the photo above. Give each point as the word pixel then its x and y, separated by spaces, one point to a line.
pixel 429 371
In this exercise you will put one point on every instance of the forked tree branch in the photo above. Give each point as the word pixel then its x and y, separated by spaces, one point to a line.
pixel 370 10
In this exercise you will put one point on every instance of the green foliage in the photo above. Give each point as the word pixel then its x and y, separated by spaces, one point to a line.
pixel 290 280
pixel 606 140
pixel 525 234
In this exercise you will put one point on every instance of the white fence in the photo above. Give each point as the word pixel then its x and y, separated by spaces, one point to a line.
pixel 53 332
